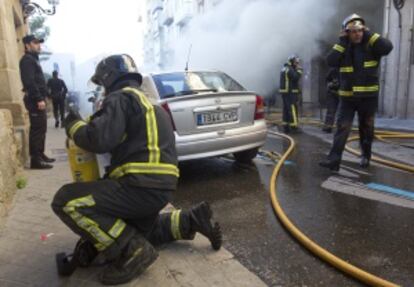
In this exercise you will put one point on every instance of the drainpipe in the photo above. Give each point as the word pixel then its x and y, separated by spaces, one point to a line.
pixel 386 31
pixel 398 5
pixel 410 55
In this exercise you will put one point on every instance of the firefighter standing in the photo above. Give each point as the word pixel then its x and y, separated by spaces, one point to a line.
pixel 35 89
pixel 119 215
pixel 289 89
pixel 357 56
pixel 57 91
pixel 332 85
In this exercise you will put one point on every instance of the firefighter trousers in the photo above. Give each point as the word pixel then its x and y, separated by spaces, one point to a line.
pixel 109 214
pixel 290 110
pixel 366 109
pixel 332 102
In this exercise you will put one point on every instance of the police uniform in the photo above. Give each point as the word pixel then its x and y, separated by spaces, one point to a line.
pixel 35 89
pixel 289 89
pixel 58 91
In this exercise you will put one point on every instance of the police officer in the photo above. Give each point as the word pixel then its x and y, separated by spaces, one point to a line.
pixel 119 215
pixel 289 89
pixel 357 56
pixel 332 85
pixel 34 87
pixel 57 91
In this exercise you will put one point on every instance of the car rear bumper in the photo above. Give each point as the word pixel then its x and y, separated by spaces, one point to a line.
pixel 222 142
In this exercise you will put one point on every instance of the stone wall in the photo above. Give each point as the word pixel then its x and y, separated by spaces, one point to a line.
pixel 9 167
pixel 12 30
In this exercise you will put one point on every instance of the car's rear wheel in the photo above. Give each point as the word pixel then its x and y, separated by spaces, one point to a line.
pixel 246 156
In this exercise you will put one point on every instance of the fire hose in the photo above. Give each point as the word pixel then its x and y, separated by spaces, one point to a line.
pixel 317 250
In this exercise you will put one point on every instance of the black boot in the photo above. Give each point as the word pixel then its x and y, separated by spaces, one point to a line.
pixel 286 129
pixel 364 162
pixel 136 257
pixel 200 221
pixel 332 165
pixel 86 252
pixel 82 256
pixel 56 123
pixel 47 159
pixel 38 163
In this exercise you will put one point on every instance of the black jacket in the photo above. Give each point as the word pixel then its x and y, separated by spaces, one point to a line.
pixel 332 80
pixel 289 80
pixel 358 64
pixel 138 135
pixel 57 88
pixel 33 80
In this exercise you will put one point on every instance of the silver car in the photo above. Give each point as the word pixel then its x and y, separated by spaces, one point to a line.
pixel 211 113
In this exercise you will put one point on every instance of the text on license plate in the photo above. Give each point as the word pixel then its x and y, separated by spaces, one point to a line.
pixel 210 118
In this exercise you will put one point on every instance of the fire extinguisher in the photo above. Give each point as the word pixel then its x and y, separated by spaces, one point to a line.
pixel 83 164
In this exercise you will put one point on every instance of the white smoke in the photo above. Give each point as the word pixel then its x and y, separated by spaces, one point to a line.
pixel 250 40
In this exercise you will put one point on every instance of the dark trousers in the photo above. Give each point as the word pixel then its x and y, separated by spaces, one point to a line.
pixel 109 213
pixel 332 102
pixel 290 110
pixel 38 128
pixel 59 108
pixel 37 133
pixel 366 109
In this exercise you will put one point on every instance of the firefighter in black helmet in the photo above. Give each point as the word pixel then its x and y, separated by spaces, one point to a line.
pixel 289 89
pixel 357 55
pixel 119 215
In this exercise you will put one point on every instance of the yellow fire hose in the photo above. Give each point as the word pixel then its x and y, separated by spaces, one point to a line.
pixel 322 253
pixel 384 138
pixel 379 134
pixel 390 163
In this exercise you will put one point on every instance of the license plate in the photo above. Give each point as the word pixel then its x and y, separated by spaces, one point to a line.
pixel 218 117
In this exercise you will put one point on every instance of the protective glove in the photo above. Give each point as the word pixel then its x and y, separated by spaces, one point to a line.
pixel 367 34
pixel 72 117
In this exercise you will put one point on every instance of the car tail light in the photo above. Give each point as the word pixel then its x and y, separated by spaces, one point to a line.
pixel 259 112
pixel 167 109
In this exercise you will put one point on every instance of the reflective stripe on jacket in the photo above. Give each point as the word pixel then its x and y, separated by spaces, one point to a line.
pixel 359 64
pixel 138 135
pixel 289 80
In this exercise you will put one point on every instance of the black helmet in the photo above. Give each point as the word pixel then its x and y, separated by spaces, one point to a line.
pixel 353 21
pixel 113 68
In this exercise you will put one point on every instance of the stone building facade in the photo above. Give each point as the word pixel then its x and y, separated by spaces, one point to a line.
pixel 13 116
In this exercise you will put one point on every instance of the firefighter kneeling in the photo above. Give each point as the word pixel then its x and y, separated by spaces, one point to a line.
pixel 118 216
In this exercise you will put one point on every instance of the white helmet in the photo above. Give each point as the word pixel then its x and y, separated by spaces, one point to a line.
pixel 353 21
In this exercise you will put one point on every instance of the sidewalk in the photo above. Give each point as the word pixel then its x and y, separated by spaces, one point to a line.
pixel 26 259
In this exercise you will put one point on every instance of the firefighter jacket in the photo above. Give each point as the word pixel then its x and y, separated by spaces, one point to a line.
pixel 332 81
pixel 358 64
pixel 289 79
pixel 138 135
pixel 33 80
pixel 57 88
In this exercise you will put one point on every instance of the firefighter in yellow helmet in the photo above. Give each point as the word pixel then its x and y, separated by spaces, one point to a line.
pixel 118 216
pixel 289 90
pixel 357 55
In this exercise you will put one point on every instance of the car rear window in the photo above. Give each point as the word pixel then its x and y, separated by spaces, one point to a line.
pixel 185 83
